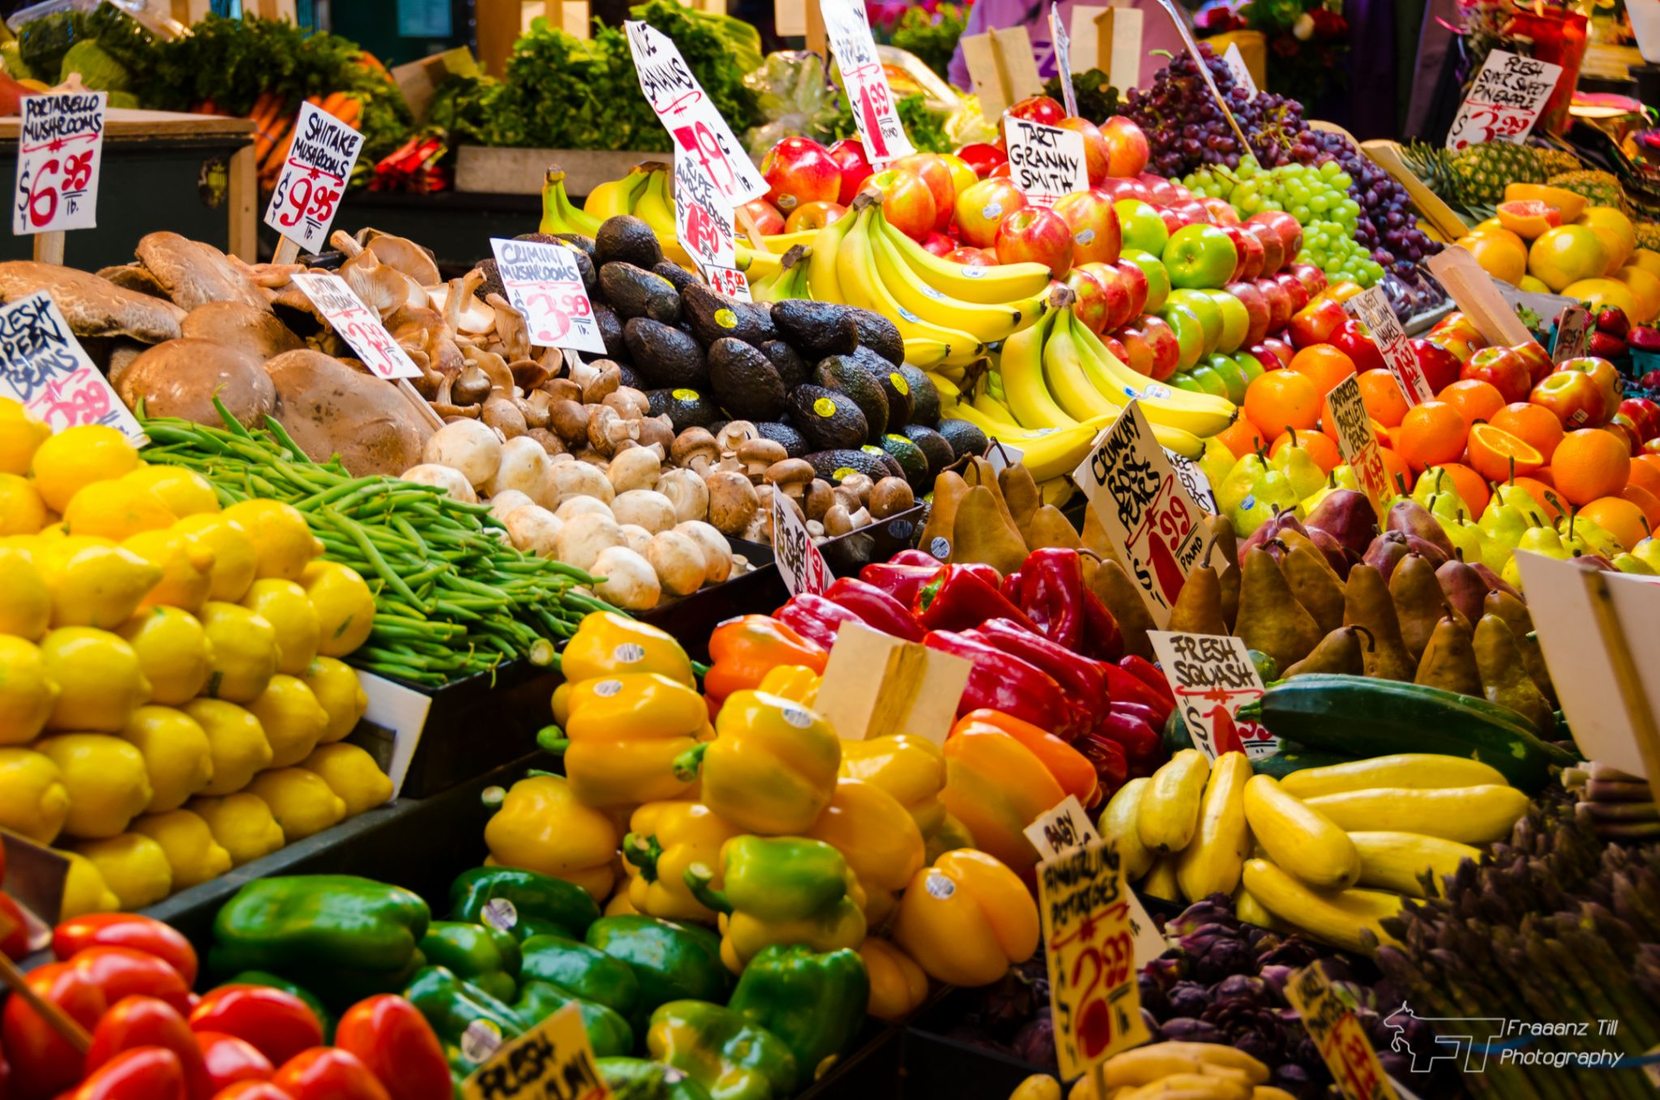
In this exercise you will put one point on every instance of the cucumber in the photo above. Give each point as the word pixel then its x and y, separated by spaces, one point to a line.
pixel 1296 758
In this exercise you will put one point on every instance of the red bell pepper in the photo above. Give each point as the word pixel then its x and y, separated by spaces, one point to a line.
pixel 961 596
pixel 1084 680
pixel 1050 589
pixel 14 944
pixel 278 1024
pixel 229 1059
pixel 744 649
pixel 126 930
pixel 42 1061
pixel 147 1073
pixel 902 575
pixel 877 609
pixel 127 972
pixel 1102 638
pixel 134 1022
pixel 1139 738
pixel 1001 681
pixel 327 1073
pixel 1148 673
pixel 392 1038
pixel 815 618
pixel 253 1090
pixel 1109 760
pixel 1125 685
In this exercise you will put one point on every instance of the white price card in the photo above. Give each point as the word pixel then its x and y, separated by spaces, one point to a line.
pixel 1505 100
pixel 357 324
pixel 1063 59
pixel 45 368
pixel 798 558
pixel 1356 441
pixel 552 1059
pixel 392 724
pixel 686 112
pixel 313 178
pixel 847 29
pixel 60 147
pixel 702 215
pixel 1061 828
pixel 1002 456
pixel 1045 162
pixel 728 281
pixel 1193 480
pixel 1371 307
pixel 544 284
pixel 1212 677
pixel 1238 69
pixel 1573 334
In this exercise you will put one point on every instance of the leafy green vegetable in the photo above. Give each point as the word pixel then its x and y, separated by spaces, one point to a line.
pixel 99 71
pixel 925 125
pixel 44 41
pixel 932 38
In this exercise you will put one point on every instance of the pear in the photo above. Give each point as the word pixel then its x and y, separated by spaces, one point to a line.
pixel 1314 583
pixel 1515 615
pixel 1503 524
pixel 1217 462
pixel 1366 603
pixel 1588 537
pixel 1419 602
pixel 1631 563
pixel 1464 589
pixel 1240 483
pixel 1347 516
pixel 1411 518
pixel 1339 652
pixel 1514 496
pixel 1449 661
pixel 1301 472
pixel 1198 608
pixel 1467 539
pixel 1270 617
pixel 1504 675
pixel 1648 552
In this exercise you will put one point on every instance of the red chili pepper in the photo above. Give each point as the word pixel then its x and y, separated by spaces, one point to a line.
pixel 1084 680
pixel 960 596
pixel 878 609
pixel 1002 681
pixel 229 1059
pixel 43 1063
pixel 278 1024
pixel 15 943
pixel 253 1090
pixel 147 1073
pixel 135 1022
pixel 1050 590
pixel 815 618
pixel 126 930
pixel 392 1038
pixel 127 972
pixel 327 1073
pixel 1148 673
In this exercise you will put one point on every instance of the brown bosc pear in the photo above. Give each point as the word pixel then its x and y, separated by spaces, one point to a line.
pixel 1224 558
pixel 1516 616
pixel 949 490
pixel 1270 618
pixel 1314 583
pixel 1198 608
pixel 1504 675
pixel 1123 598
pixel 1366 603
pixel 1048 526
pixel 1419 601
pixel 1449 661
pixel 1342 652
pixel 983 532
pixel 1020 493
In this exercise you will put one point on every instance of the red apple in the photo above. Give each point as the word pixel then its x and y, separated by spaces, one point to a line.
pixel 1274 255
pixel 982 156
pixel 907 202
pixel 1250 251
pixel 1574 397
pixel 1439 365
pixel 1138 352
pixel 1265 358
pixel 1279 349
pixel 1167 350
pixel 1290 230
pixel 1160 191
pixel 1035 235
pixel 1135 281
pixel 937 175
pixel 1538 360
pixel 765 216
pixel 849 155
pixel 1644 413
pixel 1603 373
pixel 813 215
pixel 1190 212
pixel 980 208
pixel 939 244
pixel 1089 303
pixel 1039 108
pixel 1628 430
pixel 1096 153
pixel 1096 237
pixel 1294 289
pixel 1503 369
pixel 1116 188
pixel 1118 351
pixel 1127 147
pixel 1279 303
pixel 972 257
pixel 1256 307
pixel 1315 322
pixel 1221 211
pixel 798 170
pixel 1116 286
pixel 1314 280
pixel 1354 340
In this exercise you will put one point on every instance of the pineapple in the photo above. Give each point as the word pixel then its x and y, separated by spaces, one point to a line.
pixel 1599 188
pixel 1557 161
pixel 1484 170
pixel 1434 167
pixel 1648 235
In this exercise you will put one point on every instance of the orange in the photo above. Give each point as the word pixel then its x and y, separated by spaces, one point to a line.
pixel 1590 463
pixel 1528 218
pixel 1323 365
pixel 1536 426
pixel 1382 396
pixel 1395 469
pixel 1614 230
pixel 1645 473
pixel 1542 493
pixel 1241 437
pixel 1619 517
pixel 1282 399
pixel 1470 486
pixel 1474 399
pixel 1500 253
pixel 1645 287
pixel 1430 434
pixel 1647 501
pixel 1499 456
pixel 1322 449
pixel 1597 293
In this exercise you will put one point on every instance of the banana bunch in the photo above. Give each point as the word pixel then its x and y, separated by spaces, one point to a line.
pixel 1195 1071
pixel 790 281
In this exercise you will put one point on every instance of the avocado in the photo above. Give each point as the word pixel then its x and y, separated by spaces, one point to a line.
pixel 933 445
pixel 880 335
pixel 845 375
pixel 636 292
pixel 744 381
pixel 584 259
pixel 925 398
pixel 816 329
pixel 965 438
pixel 685 408
pixel 628 239
pixel 795 444
pixel 895 387
pixel 630 377
pixel 674 273
pixel 834 465
pixel 827 418
pixel 790 366
pixel 610 330
pixel 582 244
pixel 665 356
pixel 911 459
pixel 715 317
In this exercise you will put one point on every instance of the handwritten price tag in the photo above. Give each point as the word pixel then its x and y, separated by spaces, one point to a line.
pixel 1505 100
pixel 545 286
pixel 1212 676
pixel 702 215
pixel 358 325
pixel 313 178
pixel 60 148
pixel 1063 59
pixel 1061 828
pixel 552 1060
pixel 1193 480
pixel 1045 162
pixel 1371 307
pixel 799 560
pixel 1356 441
pixel 1573 334
pixel 847 29
pixel 1338 1035
pixel 45 368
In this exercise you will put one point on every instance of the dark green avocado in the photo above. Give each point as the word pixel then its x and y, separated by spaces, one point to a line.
pixel 716 317
pixel 965 438
pixel 933 446
pixel 665 356
pixel 830 420
pixel 791 367
pixel 925 399
pixel 684 406
pixel 639 292
pixel 795 444
pixel 744 381
pixel 911 460
pixel 834 465
pixel 844 374
pixel 627 239
pixel 880 335
pixel 816 329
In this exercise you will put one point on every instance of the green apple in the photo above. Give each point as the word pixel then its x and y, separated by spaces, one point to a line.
pixel 1158 279
pixel 1201 305
pixel 1236 321
pixel 1182 380
pixel 1141 226
pixel 1190 333
pixel 1209 381
pixel 1231 376
pixel 1200 256
pixel 1250 365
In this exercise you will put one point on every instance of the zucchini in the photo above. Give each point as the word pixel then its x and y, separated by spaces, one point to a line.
pixel 1422 771
pixel 1298 837
pixel 1294 758
pixel 1470 815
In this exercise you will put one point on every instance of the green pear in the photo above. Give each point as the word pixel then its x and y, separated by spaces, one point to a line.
pixel 1631 563
pixel 1448 507
pixel 1586 537
pixel 1344 477
pixel 1467 539
pixel 1240 482
pixel 1217 462
pixel 1537 540
pixel 1432 482
pixel 1502 525
pixel 1648 551
pixel 1300 470
pixel 1514 496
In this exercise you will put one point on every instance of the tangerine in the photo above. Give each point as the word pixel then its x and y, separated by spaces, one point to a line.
pixel 1619 517
pixel 1396 470
pixel 1430 434
pixel 1382 396
pixel 1470 486
pixel 1283 399
pixel 1647 501
pixel 1536 426
pixel 1645 472
pixel 1543 493
pixel 1241 437
pixel 1590 463
pixel 1500 253
pixel 1498 455
pixel 1323 365
pixel 1321 448
pixel 1474 399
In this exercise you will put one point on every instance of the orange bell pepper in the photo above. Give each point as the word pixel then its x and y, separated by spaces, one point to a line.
pixel 1071 768
pixel 966 919
pixel 746 648
pixel 996 786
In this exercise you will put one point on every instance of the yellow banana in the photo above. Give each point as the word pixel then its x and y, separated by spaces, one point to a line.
pixel 988 323
pixel 559 214
pixel 1047 454
pixel 862 286
pixel 781 243
pixel 991 408
pixel 822 280
pixel 614 197
pixel 789 281
pixel 656 206
pixel 1066 376
pixel 1202 414
pixel 929 355
pixel 947 386
pixel 992 285
pixel 1023 384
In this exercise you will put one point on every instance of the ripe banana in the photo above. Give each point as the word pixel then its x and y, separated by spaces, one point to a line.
pixel 1068 380
pixel 559 213
pixel 1024 388
pixel 656 205
pixel 789 281
pixel 822 281
pixel 1047 453
pixel 614 197
pixel 1202 414
pixel 989 323
pixel 861 285
pixel 993 285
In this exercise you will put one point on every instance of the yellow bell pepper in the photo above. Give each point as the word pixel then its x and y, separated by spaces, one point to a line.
pixel 997 787
pixel 620 905
pixel 771 768
pixel 951 835
pixel 300 801
pixel 192 853
pixel 352 774
pixel 879 840
pixel 33 798
pixel 910 768
pixel 608 644
pixel 84 889
pixel 541 826
pixel 242 824
pixel 966 919
pixel 795 682
pixel 664 839
pixel 177 755
pixel 106 779
pixel 623 735
pixel 134 867
pixel 897 984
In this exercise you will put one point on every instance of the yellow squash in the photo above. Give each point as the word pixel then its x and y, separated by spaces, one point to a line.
pixel 1213 860
pixel 1407 769
pixel 1298 837
pixel 1168 812
pixel 1472 815
pixel 1393 861
pixel 1336 916
pixel 1118 824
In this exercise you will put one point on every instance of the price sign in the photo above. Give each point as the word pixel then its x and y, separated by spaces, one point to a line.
pixel 702 215
pixel 1337 1034
pixel 313 179
pixel 686 112
pixel 60 147
pixel 1045 162
pixel 1371 307
pixel 1193 480
pixel 1356 441
pixel 358 325
pixel 1573 334
pixel 545 286
pixel 798 558
pixel 1085 907
pixel 1212 676
pixel 1061 828
pixel 1146 511
pixel 552 1060
pixel 847 28
pixel 1504 101
pixel 728 281
pixel 1237 68
pixel 1063 59
pixel 45 368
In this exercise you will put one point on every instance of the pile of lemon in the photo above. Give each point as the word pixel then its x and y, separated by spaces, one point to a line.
pixel 172 699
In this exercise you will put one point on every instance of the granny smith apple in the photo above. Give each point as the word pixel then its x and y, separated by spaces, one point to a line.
pixel 1199 256
pixel 1236 320
pixel 1190 334
pixel 1232 377
pixel 1251 365
pixel 1141 226
pixel 1201 305
pixel 1209 381
pixel 1182 380
pixel 1158 279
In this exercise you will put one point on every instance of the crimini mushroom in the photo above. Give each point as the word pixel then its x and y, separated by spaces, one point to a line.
pixel 471 386
pixel 550 442
pixel 818 499
pixel 758 455
pixel 628 402
pixel 607 377
pixel 687 492
pixel 859 485
pixel 503 415
pixel 563 389
pixel 732 501
pixel 656 432
pixel 607 430
pixel 790 476
pixel 568 419
pixel 734 433
pixel 695 449
pixel 890 496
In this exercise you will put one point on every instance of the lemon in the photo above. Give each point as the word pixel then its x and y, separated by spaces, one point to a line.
pixel 94 583
pixel 286 607
pixel 115 509
pixel 79 456
pixel 100 682
pixel 352 774
pixel 186 566
pixel 177 755
pixel 301 801
pixel 25 601
pixel 184 492
pixel 234 560
pixel 84 889
pixel 192 853
pixel 107 782
pixel 134 868
pixel 22 512
pixel 236 740
pixel 173 651
pixel 27 693
pixel 20 436
pixel 292 718
pixel 283 544
pixel 244 651
pixel 242 824
pixel 339 693
pixel 33 799
pixel 345 606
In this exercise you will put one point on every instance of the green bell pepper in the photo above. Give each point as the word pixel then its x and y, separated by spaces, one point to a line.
pixel 720 1050
pixel 671 961
pixel 317 923
pixel 814 1002
pixel 276 981
pixel 528 896
pixel 639 1079
pixel 453 1007
pixel 608 1033
pixel 780 890
pixel 585 971
pixel 486 957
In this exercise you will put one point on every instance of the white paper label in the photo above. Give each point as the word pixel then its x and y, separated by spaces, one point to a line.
pixel 1061 828
pixel 1063 59
pixel 1212 676
pixel 1504 101
pixel 1356 441
pixel 544 284
pixel 799 561
pixel 1236 66
pixel 1045 162
pixel 1573 334
pixel 1002 456
pixel 358 325
pixel 1371 307
pixel 313 178
pixel 702 215
pixel 60 148
pixel 401 710
pixel 847 29
pixel 43 366
pixel 1193 480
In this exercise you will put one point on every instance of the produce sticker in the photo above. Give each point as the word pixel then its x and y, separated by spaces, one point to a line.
pixel 313 178
pixel 1084 904
pixel 358 325
pixel 1371 308
pixel 544 284
pixel 687 113
pixel 1505 101
pixel 799 560
pixel 1146 511
pixel 1212 677
pixel 1356 441
pixel 1337 1034
pixel 1063 59
pixel 45 368
pixel 551 1061
pixel 60 147
pixel 847 29
pixel 1045 162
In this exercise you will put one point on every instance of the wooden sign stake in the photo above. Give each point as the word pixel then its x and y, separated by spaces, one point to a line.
pixel 1473 290
pixel 1118 36
pixel 1001 65
pixel 49 248
pixel 1204 71
pixel 817 40
pixel 61 1022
